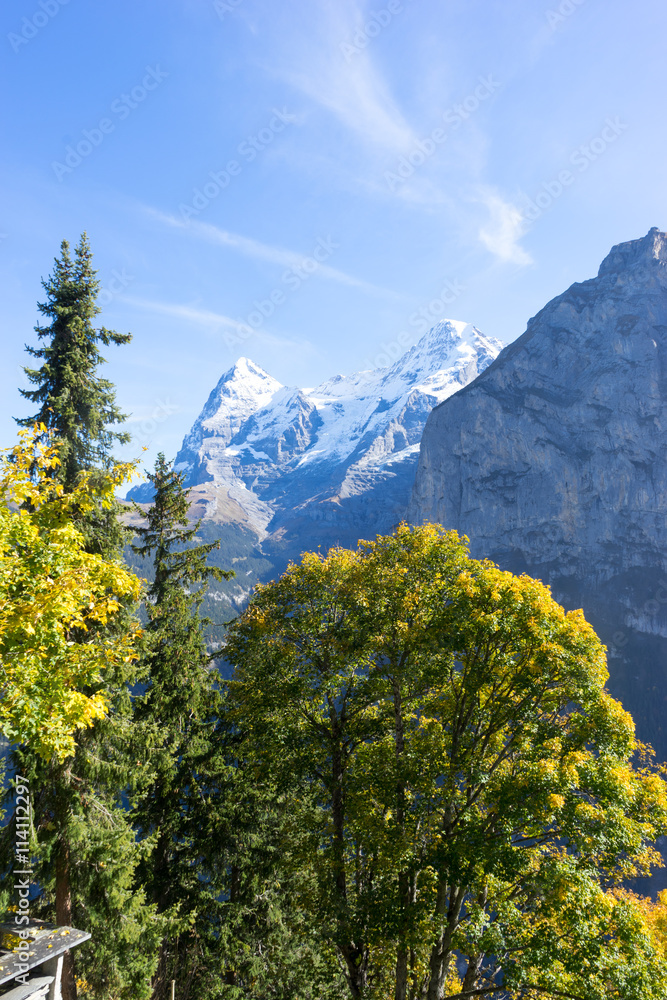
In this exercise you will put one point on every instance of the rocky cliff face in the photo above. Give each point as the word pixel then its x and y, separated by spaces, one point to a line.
pixel 554 461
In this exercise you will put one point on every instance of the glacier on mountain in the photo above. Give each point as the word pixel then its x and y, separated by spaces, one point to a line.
pixel 285 460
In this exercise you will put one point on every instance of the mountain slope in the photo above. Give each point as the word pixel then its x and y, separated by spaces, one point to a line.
pixel 300 468
pixel 554 462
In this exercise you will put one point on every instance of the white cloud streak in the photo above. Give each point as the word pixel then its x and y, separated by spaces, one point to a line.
pixel 353 90
pixel 214 321
pixel 202 317
pixel 262 251
pixel 502 232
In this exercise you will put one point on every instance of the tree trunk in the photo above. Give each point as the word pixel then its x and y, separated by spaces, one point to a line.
pixel 472 973
pixel 404 895
pixel 357 971
pixel 471 977
pixel 160 896
pixel 64 914
pixel 351 954
pixel 401 989
pixel 161 984
pixel 338 817
pixel 442 949
pixel 354 952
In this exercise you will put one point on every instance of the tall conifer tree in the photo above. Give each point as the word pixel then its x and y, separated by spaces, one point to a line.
pixel 214 869
pixel 85 852
pixel 74 403
pixel 179 718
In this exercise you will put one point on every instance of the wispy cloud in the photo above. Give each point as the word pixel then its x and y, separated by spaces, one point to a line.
pixel 262 251
pixel 202 317
pixel 505 227
pixel 354 90
pixel 359 98
pixel 339 65
pixel 215 322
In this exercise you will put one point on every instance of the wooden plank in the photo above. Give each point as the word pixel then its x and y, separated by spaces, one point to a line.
pixel 54 967
pixel 47 942
pixel 34 989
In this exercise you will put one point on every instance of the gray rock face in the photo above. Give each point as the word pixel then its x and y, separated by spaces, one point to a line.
pixel 554 462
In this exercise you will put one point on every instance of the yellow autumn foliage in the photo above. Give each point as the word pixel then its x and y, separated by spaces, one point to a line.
pixel 55 601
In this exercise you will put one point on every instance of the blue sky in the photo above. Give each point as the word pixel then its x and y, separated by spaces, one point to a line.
pixel 309 183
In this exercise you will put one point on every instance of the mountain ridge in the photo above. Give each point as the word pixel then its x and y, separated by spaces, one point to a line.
pixel 554 463
pixel 284 469
pixel 261 440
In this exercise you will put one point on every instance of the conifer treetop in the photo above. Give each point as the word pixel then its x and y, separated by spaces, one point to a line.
pixel 75 404
pixel 168 532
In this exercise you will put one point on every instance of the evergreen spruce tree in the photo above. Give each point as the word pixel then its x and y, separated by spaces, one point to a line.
pixel 85 856
pixel 213 871
pixel 74 403
pixel 178 716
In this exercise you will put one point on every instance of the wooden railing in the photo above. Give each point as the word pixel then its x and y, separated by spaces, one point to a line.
pixel 35 964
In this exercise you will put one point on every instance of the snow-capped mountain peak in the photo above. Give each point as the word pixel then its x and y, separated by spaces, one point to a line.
pixel 240 392
pixel 444 355
pixel 276 450
pixel 357 409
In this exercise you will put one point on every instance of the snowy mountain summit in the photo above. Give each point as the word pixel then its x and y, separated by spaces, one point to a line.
pixel 325 465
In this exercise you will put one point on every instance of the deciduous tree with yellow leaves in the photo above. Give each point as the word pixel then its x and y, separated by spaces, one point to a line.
pixel 54 595
pixel 463 795
pixel 84 855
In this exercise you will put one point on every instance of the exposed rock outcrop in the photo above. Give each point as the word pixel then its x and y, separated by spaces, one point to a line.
pixel 554 461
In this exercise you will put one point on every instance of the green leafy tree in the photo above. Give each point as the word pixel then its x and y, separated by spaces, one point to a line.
pixel 52 590
pixel 54 598
pixel 84 854
pixel 464 794
pixel 60 652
